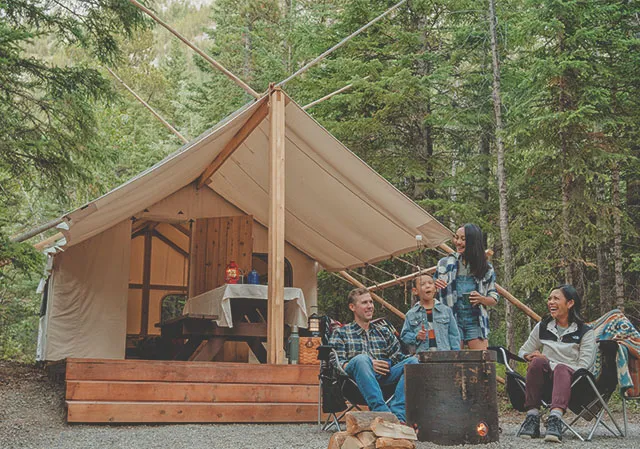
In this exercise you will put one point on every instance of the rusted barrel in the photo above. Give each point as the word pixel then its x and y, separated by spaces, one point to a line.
pixel 451 397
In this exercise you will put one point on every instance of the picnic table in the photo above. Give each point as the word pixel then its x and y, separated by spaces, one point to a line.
pixel 232 312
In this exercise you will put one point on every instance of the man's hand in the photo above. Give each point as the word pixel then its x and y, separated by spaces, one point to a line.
pixel 422 334
pixel 441 283
pixel 533 355
pixel 381 367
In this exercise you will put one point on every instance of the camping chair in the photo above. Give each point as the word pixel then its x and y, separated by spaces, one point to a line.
pixel 339 393
pixel 589 395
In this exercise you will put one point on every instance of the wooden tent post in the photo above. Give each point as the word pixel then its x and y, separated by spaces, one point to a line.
pixel 377 298
pixel 275 317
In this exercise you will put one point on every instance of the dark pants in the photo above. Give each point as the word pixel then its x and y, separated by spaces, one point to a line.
pixel 541 378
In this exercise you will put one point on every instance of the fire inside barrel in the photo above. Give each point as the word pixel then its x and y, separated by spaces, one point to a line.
pixel 451 397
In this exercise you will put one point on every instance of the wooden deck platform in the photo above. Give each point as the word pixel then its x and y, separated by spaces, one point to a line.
pixel 150 391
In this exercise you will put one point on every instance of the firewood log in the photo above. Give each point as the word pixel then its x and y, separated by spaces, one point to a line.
pixel 393 443
pixel 352 442
pixel 336 440
pixel 368 440
pixel 361 421
pixel 383 428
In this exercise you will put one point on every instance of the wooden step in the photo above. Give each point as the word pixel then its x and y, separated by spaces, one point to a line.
pixel 173 371
pixel 115 391
pixel 189 412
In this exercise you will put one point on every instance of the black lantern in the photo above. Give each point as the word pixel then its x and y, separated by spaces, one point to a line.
pixel 314 324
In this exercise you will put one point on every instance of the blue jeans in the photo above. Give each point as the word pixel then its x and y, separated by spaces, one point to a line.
pixel 360 368
pixel 468 321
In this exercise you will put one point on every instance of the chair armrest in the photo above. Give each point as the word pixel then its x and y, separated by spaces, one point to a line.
pixel 504 356
pixel 324 352
pixel 582 372
pixel 336 363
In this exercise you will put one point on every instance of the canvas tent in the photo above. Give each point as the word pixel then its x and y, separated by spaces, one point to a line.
pixel 339 214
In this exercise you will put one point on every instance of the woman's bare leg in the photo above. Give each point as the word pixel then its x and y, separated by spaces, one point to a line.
pixel 478 344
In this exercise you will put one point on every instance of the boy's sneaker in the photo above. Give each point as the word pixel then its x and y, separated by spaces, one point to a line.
pixel 554 429
pixel 530 427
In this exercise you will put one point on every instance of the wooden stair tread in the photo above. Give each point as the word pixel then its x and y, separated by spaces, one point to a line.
pixel 173 371
pixel 184 412
pixel 132 391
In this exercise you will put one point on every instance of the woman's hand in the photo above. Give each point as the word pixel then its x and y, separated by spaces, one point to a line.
pixel 441 283
pixel 476 299
pixel 533 355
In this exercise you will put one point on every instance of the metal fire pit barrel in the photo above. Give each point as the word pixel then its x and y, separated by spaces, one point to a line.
pixel 451 397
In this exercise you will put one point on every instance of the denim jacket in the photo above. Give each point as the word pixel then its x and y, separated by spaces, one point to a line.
pixel 447 269
pixel 444 325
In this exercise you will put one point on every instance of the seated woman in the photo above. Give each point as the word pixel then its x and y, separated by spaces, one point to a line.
pixel 429 325
pixel 557 347
pixel 468 285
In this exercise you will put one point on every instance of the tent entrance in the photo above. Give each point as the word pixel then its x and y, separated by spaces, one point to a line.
pixel 173 261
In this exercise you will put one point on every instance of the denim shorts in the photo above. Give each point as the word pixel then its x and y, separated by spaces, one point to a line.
pixel 468 321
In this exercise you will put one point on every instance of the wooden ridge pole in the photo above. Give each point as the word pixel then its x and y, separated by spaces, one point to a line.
pixel 332 94
pixel 208 58
pixel 377 298
pixel 512 299
pixel 35 231
pixel 275 305
pixel 146 105
pixel 341 43
pixel 48 241
pixel 254 121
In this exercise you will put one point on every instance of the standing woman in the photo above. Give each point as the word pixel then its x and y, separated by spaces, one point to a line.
pixel 467 284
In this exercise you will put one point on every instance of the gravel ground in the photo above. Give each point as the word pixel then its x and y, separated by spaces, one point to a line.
pixel 32 416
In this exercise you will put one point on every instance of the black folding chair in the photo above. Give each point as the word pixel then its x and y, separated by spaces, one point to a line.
pixel 339 393
pixel 589 395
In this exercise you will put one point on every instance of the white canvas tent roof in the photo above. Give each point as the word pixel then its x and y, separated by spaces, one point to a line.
pixel 339 211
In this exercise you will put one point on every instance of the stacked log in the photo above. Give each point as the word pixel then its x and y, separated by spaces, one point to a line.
pixel 373 430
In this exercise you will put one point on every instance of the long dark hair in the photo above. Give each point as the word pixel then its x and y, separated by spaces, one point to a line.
pixel 474 253
pixel 571 294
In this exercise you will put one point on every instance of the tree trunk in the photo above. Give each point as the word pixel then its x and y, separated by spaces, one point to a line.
pixel 617 239
pixel 601 254
pixel 605 292
pixel 502 178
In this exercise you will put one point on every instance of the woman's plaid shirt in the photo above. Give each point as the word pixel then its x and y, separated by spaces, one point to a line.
pixel 379 342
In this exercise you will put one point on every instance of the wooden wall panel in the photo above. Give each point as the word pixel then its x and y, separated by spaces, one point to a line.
pixel 215 242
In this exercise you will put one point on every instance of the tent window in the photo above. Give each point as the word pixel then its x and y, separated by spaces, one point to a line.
pixel 259 262
pixel 172 306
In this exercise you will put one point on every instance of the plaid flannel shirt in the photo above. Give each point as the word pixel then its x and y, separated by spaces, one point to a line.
pixel 448 270
pixel 379 342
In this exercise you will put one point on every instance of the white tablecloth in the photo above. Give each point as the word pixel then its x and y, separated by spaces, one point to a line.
pixel 218 302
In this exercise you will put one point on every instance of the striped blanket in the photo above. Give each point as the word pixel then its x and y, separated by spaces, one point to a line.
pixel 615 326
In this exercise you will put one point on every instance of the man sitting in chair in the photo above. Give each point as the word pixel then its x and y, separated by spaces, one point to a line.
pixel 557 347
pixel 370 354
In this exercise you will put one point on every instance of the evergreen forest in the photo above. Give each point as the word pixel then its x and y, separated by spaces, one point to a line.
pixel 518 115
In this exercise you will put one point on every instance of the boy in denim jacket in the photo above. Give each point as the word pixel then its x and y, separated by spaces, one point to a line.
pixel 429 325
